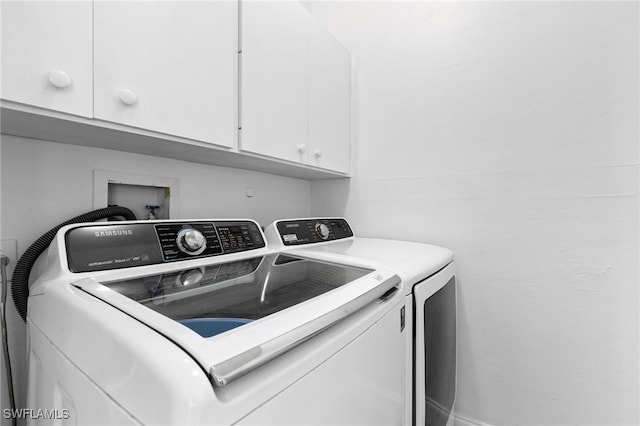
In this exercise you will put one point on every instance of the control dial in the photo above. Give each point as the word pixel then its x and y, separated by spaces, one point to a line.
pixel 322 230
pixel 191 241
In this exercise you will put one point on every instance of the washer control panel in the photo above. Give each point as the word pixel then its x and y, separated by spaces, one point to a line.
pixel 308 231
pixel 114 245
pixel 187 240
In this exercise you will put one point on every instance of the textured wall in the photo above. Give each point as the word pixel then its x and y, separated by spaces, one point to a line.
pixel 508 132
pixel 46 183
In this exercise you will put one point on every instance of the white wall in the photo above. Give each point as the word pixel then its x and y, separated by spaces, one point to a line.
pixel 46 183
pixel 508 132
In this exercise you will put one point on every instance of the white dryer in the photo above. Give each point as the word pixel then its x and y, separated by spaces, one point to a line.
pixel 202 322
pixel 429 287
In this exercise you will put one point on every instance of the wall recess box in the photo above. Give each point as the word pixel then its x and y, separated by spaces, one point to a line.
pixel 136 192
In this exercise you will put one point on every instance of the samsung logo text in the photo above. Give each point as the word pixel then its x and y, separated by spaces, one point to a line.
pixel 114 233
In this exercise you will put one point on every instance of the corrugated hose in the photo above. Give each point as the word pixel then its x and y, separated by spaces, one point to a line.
pixel 22 270
pixel 20 278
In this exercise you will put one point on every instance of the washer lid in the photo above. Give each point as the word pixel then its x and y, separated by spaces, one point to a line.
pixel 249 289
pixel 233 317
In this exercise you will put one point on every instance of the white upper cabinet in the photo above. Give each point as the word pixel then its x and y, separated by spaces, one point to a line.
pixel 167 78
pixel 168 66
pixel 46 54
pixel 274 79
pixel 295 87
pixel 329 101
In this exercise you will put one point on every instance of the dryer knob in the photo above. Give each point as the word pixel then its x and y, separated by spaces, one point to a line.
pixel 322 230
pixel 191 241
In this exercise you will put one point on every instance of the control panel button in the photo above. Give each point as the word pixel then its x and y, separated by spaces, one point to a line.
pixel 239 236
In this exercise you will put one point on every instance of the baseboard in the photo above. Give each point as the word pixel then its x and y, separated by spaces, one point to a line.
pixel 459 420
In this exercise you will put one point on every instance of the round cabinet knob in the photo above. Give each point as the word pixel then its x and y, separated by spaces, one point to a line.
pixel 59 79
pixel 317 153
pixel 128 97
pixel 302 148
pixel 191 241
pixel 322 230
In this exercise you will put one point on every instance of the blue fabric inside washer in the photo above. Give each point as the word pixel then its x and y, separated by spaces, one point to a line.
pixel 207 327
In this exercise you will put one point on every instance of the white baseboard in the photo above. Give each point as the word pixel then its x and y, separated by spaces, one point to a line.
pixel 459 420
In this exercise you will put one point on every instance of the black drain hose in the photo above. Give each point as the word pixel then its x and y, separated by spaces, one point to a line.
pixel 20 277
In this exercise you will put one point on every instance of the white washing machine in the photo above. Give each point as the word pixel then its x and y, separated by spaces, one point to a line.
pixel 428 280
pixel 203 322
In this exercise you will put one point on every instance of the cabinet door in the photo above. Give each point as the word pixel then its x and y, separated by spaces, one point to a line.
pixel 168 66
pixel 46 54
pixel 274 79
pixel 329 101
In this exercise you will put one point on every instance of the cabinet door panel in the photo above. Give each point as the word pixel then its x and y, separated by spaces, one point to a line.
pixel 168 66
pixel 42 38
pixel 329 101
pixel 274 79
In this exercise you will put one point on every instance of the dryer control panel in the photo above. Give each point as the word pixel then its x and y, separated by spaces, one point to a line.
pixel 308 231
pixel 113 245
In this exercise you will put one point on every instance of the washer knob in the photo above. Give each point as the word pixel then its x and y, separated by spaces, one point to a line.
pixel 191 241
pixel 322 230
